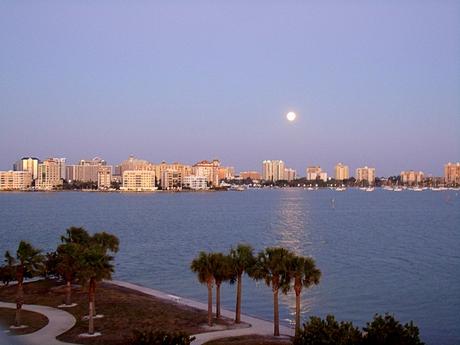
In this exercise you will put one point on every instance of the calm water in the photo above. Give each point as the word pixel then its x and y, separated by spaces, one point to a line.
pixel 379 252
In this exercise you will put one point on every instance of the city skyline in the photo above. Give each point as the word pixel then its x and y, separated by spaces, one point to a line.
pixel 372 84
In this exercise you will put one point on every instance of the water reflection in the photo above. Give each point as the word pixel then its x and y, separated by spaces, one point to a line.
pixel 293 230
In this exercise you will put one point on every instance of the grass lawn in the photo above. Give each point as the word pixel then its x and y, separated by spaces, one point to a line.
pixel 251 340
pixel 124 310
pixel 34 321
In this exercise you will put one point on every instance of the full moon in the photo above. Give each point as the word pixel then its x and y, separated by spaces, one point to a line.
pixel 291 116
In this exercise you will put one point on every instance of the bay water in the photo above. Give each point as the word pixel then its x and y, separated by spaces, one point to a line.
pixel 378 252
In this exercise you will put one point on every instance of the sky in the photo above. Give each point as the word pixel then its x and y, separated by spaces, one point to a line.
pixel 373 83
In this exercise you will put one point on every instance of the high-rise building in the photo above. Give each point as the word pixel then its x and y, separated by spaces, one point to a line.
pixel 183 169
pixel 412 177
pixel 195 182
pixel 85 170
pixel 133 163
pixel 315 173
pixel 104 177
pixel 289 174
pixel 138 181
pixel 342 172
pixel 171 179
pixel 253 175
pixel 208 169
pixel 452 173
pixel 226 173
pixel 365 174
pixel 29 164
pixel 273 170
pixel 49 174
pixel 15 180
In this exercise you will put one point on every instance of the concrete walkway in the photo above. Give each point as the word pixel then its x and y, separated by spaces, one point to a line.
pixel 59 321
pixel 257 326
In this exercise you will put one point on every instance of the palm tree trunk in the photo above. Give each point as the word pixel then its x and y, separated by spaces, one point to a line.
pixel 217 300
pixel 238 299
pixel 91 307
pixel 297 312
pixel 19 302
pixel 210 304
pixel 276 317
pixel 68 292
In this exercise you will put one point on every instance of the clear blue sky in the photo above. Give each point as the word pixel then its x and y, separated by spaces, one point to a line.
pixel 373 82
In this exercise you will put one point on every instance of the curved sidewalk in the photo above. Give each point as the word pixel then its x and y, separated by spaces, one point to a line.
pixel 257 326
pixel 59 321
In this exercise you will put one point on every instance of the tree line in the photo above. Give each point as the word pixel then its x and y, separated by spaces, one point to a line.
pixel 279 268
pixel 80 256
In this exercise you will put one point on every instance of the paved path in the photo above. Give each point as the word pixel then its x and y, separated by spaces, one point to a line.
pixel 258 326
pixel 59 321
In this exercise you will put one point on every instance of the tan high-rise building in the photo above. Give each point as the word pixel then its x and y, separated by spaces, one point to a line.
pixel 452 173
pixel 412 177
pixel 104 177
pixel 184 170
pixel 49 175
pixel 138 181
pixel 273 170
pixel 208 169
pixel 315 173
pixel 171 180
pixel 29 164
pixel 226 173
pixel 289 174
pixel 15 180
pixel 133 163
pixel 85 170
pixel 342 172
pixel 253 175
pixel 365 174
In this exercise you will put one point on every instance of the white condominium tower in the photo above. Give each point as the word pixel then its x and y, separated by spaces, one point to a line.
pixel 273 170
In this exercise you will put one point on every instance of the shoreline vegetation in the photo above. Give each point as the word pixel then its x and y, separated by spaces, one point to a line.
pixel 77 275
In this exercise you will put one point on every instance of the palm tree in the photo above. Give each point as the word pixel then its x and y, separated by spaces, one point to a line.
pixel 203 265
pixel 76 235
pixel 272 267
pixel 222 271
pixel 305 274
pixel 95 264
pixel 27 264
pixel 67 265
pixel 242 260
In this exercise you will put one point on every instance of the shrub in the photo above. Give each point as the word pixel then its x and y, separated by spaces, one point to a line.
pixel 328 332
pixel 386 330
pixel 154 337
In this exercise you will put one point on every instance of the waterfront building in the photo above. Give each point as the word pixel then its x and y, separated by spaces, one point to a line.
pixel 452 173
pixel 412 177
pixel 342 172
pixel 195 182
pixel 226 173
pixel 289 174
pixel 171 179
pixel 104 177
pixel 138 181
pixel 183 169
pixel 15 180
pixel 365 174
pixel 133 163
pixel 85 170
pixel 273 170
pixel 29 164
pixel 208 169
pixel 253 175
pixel 49 174
pixel 316 173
